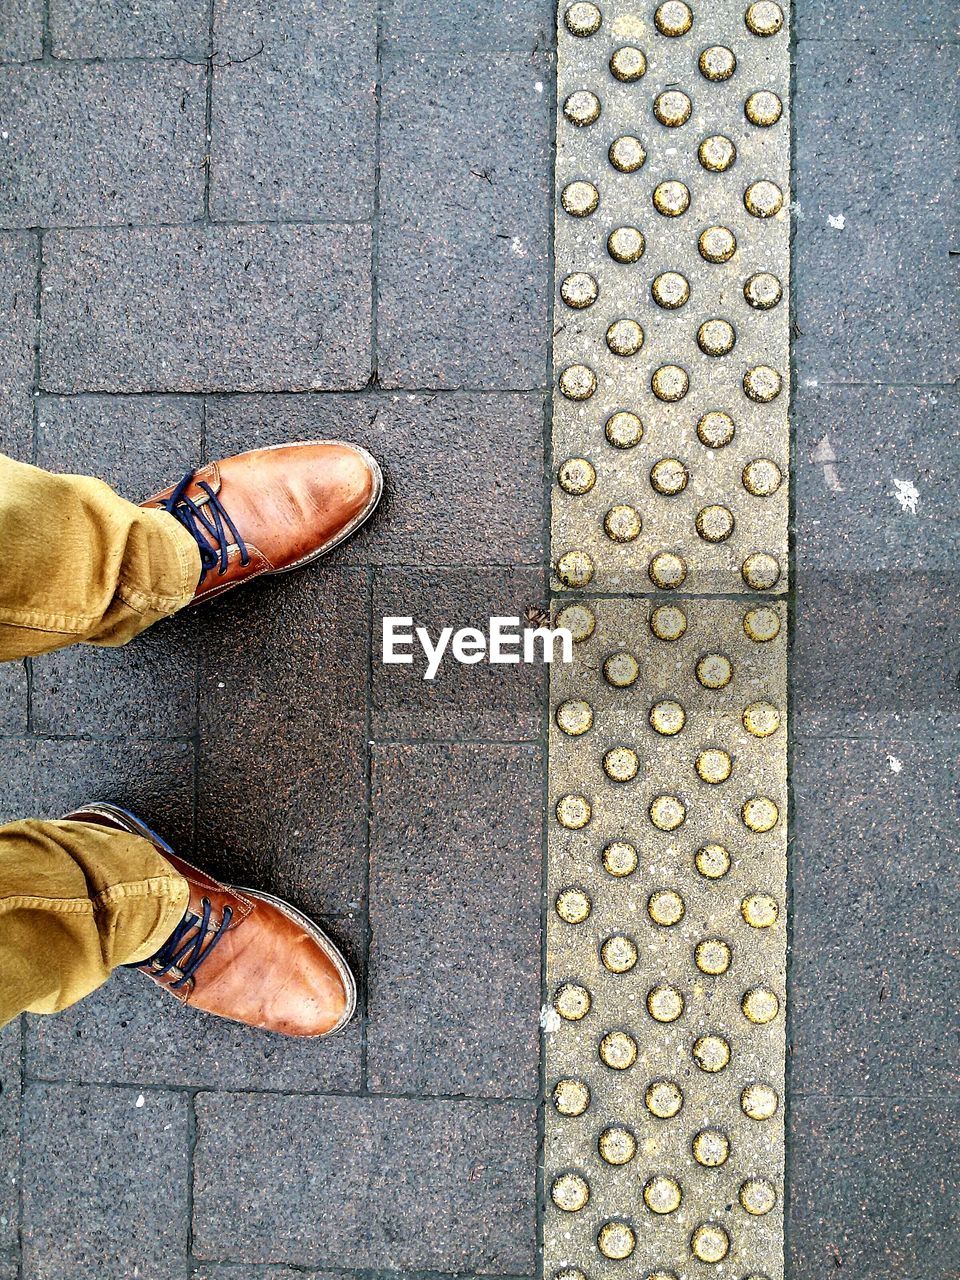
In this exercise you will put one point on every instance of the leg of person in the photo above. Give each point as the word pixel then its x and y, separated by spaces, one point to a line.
pixel 76 901
pixel 80 563
pixel 99 889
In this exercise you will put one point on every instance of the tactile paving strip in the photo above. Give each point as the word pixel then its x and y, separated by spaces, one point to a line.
pixel 666 934
pixel 671 343
pixel 664 1031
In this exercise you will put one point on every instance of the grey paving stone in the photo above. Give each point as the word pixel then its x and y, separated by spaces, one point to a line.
pixel 89 1155
pixel 9 1143
pixel 876 481
pixel 282 774
pixel 867 155
pixel 294 109
pixel 102 142
pixel 45 778
pixel 461 701
pixel 876 899
pixel 464 473
pixel 491 25
pixel 21 30
pixel 207 308
pixel 131 1032
pixel 18 289
pixel 379 1183
pixel 455 867
pixel 125 29
pixel 237 1271
pixel 875 20
pixel 137 444
pixel 464 197
pixel 874 1189
pixel 876 653
pixel 13 697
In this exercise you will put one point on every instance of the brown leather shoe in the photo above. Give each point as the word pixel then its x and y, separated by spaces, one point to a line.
pixel 243 954
pixel 272 510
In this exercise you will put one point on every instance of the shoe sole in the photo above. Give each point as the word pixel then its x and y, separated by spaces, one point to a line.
pixel 136 826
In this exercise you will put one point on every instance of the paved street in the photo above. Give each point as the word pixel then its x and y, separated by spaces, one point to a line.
pixel 229 223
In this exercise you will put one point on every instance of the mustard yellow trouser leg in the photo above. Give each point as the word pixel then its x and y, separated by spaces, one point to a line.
pixel 76 901
pixel 80 563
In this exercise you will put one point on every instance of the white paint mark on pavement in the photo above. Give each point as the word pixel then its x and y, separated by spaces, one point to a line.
pixel 907 494
pixel 837 221
pixel 825 456
pixel 895 764
pixel 549 1020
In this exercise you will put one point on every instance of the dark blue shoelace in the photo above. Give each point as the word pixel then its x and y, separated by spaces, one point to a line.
pixel 209 524
pixel 187 956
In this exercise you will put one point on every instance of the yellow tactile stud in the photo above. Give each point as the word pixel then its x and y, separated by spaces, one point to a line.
pixel 712 956
pixel 760 1005
pixel 759 1101
pixel 618 1050
pixel 716 429
pixel 579 290
pixel 574 717
pixel 763 199
pixel 621 764
pixel 662 1194
pixel 764 18
pixel 576 476
pixel 763 108
pixel 616 1240
pixel 672 108
pixel 667 570
pixel 571 1097
pixel 669 476
pixel 570 1192
pixel 621 670
pixel 580 199
pixel 663 1099
pixel 573 905
pixel 674 18
pixel 617 1145
pixel 712 861
pixel 761 625
pixel 667 813
pixel 665 1003
pixel 578 620
pixel 711 1053
pixel 711 1148
pixel 573 812
pixel 627 153
pixel 620 858
pixel 670 290
pixel 665 907
pixel 582 108
pixel 623 429
pixel 626 244
pixel 625 337
pixel 763 291
pixel 760 910
pixel 572 1001
pixel 758 1196
pixel 717 153
pixel 619 953
pixel 714 671
pixel 710 1242
pixel 761 477
pixel 715 523
pixel 578 382
pixel 670 383
pixel 575 568
pixel 668 622
pixel 717 63
pixel 716 337
pixel 667 717
pixel 671 198
pixel 628 63
pixel 714 766
pixel 582 19
pixel 760 814
pixel 717 244
pixel 761 719
pixel 760 570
